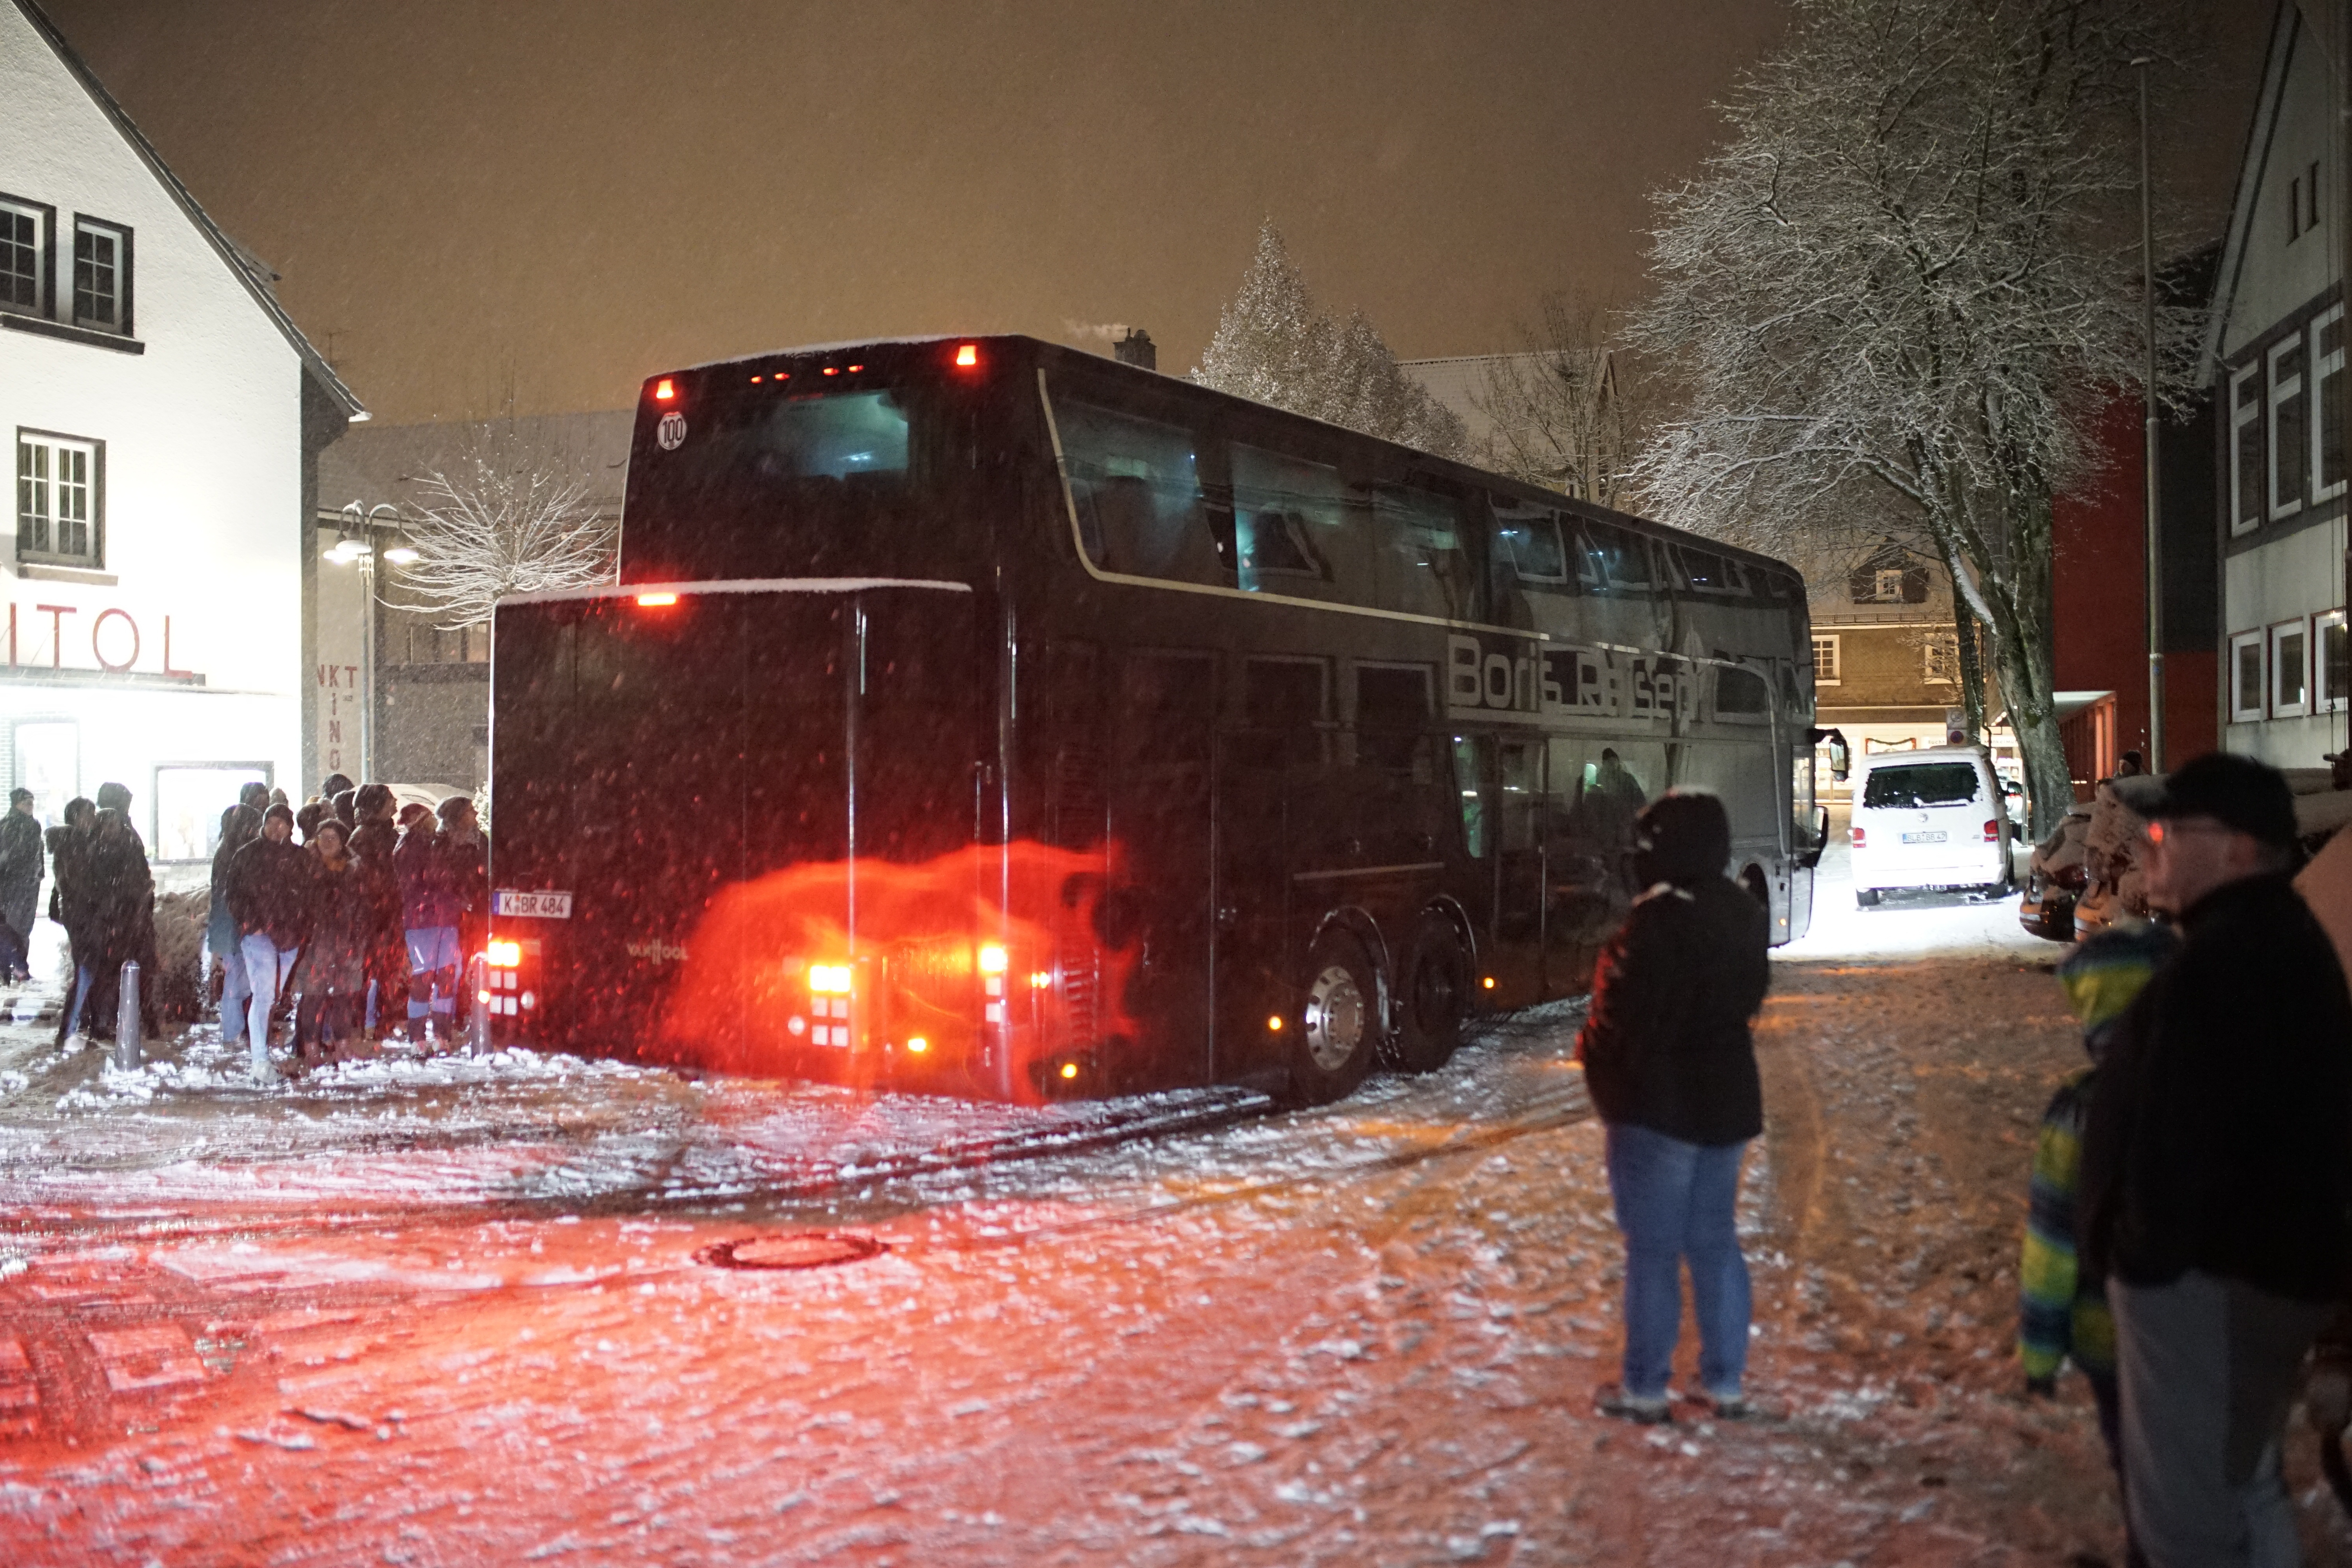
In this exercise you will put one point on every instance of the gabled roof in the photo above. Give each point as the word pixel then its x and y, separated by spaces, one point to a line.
pixel 230 253
pixel 2284 23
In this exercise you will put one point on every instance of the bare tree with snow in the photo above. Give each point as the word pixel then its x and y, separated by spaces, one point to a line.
pixel 1272 345
pixel 1565 411
pixel 1899 295
pixel 505 522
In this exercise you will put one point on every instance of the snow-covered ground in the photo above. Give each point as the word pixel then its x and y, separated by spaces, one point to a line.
pixel 445 1311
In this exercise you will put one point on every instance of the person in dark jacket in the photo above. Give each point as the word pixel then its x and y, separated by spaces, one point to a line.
pixel 20 882
pixel 467 849
pixel 270 886
pixel 373 842
pixel 429 910
pixel 122 922
pixel 2216 1185
pixel 332 975
pixel 70 906
pixel 240 824
pixel 1671 1066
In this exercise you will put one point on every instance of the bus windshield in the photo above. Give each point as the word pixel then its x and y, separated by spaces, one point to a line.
pixel 775 484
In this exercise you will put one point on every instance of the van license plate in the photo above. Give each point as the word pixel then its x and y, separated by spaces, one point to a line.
pixel 542 906
pixel 1935 838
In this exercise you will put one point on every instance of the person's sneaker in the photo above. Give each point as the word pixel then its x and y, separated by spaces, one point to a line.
pixel 1616 1403
pixel 266 1076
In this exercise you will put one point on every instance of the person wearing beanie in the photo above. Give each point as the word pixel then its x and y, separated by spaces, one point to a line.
pixel 70 904
pixel 1671 1066
pixel 240 826
pixel 269 888
pixel 373 839
pixel 20 882
pixel 332 975
pixel 122 921
pixel 2216 1185
pixel 429 910
pixel 466 848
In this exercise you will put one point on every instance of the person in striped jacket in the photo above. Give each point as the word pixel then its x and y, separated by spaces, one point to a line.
pixel 2062 1313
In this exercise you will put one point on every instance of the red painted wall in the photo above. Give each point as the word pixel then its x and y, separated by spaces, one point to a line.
pixel 2099 597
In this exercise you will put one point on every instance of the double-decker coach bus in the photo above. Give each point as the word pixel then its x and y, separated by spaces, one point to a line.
pixel 984 716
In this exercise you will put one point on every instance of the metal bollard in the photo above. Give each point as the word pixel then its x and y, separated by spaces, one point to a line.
pixel 477 1022
pixel 126 1020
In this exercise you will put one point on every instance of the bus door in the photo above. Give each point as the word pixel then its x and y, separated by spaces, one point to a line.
pixel 1516 960
pixel 1161 824
pixel 1593 788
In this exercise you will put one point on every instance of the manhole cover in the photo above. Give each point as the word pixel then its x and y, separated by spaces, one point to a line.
pixel 806 1250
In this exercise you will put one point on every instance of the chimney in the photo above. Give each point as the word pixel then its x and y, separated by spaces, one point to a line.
pixel 1136 349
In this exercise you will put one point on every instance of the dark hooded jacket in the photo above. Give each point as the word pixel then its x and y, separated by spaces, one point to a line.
pixel 20 854
pixel 1666 1043
pixel 240 826
pixel 269 892
pixel 2220 1134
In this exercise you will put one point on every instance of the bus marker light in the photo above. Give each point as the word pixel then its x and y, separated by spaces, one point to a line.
pixel 966 356
pixel 917 1045
pixel 833 370
pixel 1488 982
pixel 530 1000
pixel 856 368
pixel 756 379
pixel 664 390
pixel 1069 1070
pixel 505 955
pixel 656 601
pixel 1274 1024
pixel 992 959
pixel 796 1025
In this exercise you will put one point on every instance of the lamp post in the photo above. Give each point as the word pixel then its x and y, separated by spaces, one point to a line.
pixel 357 547
pixel 2148 455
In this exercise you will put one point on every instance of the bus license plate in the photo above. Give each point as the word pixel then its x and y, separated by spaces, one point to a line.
pixel 534 906
pixel 1935 838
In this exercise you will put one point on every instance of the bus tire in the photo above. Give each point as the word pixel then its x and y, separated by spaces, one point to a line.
pixel 1339 1022
pixel 1432 994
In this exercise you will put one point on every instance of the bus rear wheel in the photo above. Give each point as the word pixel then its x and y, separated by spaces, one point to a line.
pixel 1433 994
pixel 1338 1024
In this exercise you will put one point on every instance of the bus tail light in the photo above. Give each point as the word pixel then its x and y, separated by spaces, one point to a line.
pixel 656 601
pixel 506 955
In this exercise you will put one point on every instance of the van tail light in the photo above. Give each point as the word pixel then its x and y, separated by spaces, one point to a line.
pixel 1860 840
pixel 2076 877
pixel 1993 831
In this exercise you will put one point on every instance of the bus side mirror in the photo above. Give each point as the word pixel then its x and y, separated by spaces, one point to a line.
pixel 1840 756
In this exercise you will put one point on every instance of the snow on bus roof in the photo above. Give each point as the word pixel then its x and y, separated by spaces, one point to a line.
pixel 736 585
pixel 841 347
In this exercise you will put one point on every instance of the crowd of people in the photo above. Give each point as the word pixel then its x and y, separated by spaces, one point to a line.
pixel 343 920
pixel 2190 1219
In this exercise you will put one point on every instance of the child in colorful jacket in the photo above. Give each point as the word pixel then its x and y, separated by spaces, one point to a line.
pixel 2063 1316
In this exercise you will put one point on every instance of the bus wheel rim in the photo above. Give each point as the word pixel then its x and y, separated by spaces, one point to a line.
pixel 1335 1018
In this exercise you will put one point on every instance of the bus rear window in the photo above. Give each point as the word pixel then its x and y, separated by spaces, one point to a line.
pixel 1921 784
pixel 830 438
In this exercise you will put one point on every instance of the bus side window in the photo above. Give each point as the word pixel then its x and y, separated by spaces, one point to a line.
pixel 1135 484
pixel 1617 563
pixel 1521 798
pixel 1425 565
pixel 1285 702
pixel 1470 783
pixel 1294 530
pixel 1392 711
pixel 1527 547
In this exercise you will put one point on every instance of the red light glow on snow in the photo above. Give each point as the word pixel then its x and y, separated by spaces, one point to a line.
pixel 774 969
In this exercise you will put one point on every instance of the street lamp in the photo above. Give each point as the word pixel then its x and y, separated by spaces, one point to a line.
pixel 2148 457
pixel 356 547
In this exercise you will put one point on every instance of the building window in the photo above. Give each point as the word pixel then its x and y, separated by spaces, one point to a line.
pixel 1825 661
pixel 1943 661
pixel 101 279
pixel 60 499
pixel 189 799
pixel 24 256
pixel 2328 405
pixel 2246 449
pixel 2290 670
pixel 2289 460
pixel 2246 678
pixel 2331 658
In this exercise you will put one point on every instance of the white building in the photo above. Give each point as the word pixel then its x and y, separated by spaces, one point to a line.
pixel 166 415
pixel 2274 351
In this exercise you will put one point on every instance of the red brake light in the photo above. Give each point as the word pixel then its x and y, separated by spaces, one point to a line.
pixel 664 390
pixel 966 356
pixel 656 601
pixel 1860 840
pixel 1992 832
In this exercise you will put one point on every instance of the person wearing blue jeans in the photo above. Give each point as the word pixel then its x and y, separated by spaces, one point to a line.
pixel 1670 1063
pixel 270 886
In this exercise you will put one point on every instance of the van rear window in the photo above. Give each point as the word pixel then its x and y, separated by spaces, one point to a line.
pixel 1921 784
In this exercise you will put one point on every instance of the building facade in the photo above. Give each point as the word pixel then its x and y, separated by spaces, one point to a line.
pixel 2273 360
pixel 165 417
pixel 424 718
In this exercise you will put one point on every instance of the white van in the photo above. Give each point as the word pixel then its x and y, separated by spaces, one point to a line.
pixel 1932 818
